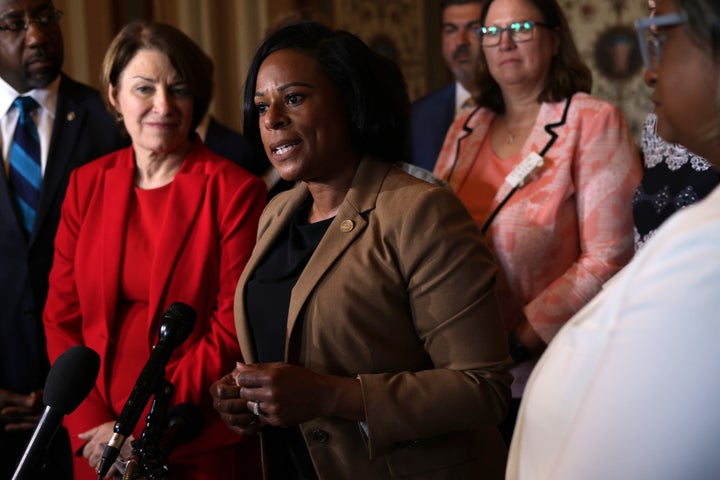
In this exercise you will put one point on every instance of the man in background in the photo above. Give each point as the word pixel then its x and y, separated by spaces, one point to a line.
pixel 433 114
pixel 67 125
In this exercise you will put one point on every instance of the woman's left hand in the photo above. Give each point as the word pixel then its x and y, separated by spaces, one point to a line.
pixel 289 395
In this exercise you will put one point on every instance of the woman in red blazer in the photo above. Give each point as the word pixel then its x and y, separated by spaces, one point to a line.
pixel 163 221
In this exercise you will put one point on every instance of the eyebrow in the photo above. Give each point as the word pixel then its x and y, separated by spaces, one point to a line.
pixel 284 87
pixel 154 80
pixel 460 24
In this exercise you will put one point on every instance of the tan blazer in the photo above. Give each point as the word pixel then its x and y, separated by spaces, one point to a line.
pixel 399 292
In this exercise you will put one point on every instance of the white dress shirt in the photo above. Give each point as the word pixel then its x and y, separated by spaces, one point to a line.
pixel 461 96
pixel 629 387
pixel 44 117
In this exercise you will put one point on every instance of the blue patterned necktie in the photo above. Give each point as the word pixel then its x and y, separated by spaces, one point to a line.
pixel 25 171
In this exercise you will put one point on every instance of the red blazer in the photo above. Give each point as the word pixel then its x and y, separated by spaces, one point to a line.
pixel 206 240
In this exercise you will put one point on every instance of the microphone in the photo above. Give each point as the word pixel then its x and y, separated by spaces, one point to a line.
pixel 69 381
pixel 184 423
pixel 176 325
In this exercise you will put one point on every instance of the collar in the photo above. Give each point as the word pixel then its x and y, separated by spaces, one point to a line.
pixel 461 95
pixel 46 97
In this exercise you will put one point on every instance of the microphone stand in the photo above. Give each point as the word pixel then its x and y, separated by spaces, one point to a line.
pixel 148 458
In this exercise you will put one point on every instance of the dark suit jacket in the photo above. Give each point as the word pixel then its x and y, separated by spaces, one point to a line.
pixel 232 145
pixel 83 130
pixel 399 292
pixel 431 118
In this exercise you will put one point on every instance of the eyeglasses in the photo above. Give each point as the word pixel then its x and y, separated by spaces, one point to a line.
pixel 650 38
pixel 17 23
pixel 521 31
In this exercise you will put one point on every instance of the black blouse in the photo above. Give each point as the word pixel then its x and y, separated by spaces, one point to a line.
pixel 267 297
pixel 674 178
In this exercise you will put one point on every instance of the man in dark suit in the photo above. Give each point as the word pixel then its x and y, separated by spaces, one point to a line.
pixel 73 127
pixel 433 113
pixel 232 145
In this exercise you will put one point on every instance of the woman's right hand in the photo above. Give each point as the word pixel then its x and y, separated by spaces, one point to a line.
pixel 233 410
pixel 97 439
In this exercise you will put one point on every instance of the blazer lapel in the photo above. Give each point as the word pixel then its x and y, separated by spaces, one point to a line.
pixel 118 184
pixel 475 127
pixel 270 229
pixel 186 196
pixel 8 215
pixel 67 128
pixel 548 116
pixel 347 225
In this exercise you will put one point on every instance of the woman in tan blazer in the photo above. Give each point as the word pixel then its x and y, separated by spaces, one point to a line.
pixel 367 317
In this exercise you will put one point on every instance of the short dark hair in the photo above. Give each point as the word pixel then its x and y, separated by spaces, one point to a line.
pixel 449 3
pixel 370 85
pixel 192 64
pixel 568 72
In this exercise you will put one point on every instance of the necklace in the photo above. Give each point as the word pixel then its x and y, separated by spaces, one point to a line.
pixel 510 134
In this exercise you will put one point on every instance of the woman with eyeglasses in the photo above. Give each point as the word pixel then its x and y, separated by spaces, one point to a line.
pixel 626 390
pixel 673 177
pixel 547 170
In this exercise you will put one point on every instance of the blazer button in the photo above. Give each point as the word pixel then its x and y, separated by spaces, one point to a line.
pixel 320 436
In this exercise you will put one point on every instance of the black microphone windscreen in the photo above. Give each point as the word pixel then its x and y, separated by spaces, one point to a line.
pixel 71 378
pixel 186 420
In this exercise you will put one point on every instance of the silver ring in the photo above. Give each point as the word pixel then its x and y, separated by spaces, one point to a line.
pixel 256 408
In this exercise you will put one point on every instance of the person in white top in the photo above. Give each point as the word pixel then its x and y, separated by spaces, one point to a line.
pixel 626 390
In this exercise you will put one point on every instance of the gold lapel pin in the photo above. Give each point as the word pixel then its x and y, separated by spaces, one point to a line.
pixel 70 116
pixel 347 226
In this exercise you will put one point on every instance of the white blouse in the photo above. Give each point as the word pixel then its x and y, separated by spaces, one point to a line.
pixel 629 387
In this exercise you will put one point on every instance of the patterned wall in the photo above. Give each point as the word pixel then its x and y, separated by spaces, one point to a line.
pixel 605 34
pixel 603 29
pixel 407 30
pixel 395 28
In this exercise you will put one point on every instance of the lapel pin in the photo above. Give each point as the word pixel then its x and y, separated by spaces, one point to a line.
pixel 70 116
pixel 346 226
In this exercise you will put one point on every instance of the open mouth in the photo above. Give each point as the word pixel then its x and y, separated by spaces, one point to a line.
pixel 285 147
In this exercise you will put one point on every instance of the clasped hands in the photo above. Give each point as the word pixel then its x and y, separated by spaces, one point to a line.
pixel 283 394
